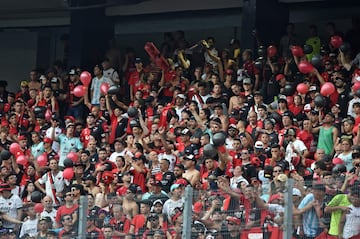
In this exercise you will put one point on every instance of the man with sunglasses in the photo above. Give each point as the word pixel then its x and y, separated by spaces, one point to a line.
pixel 69 208
pixel 68 228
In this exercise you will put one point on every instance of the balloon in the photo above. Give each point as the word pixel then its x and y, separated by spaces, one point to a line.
pixel 68 173
pixel 261 51
pixel 68 163
pixel 297 51
pixel 327 89
pixel 21 159
pixel 132 112
pixel 151 49
pixel 134 123
pixel 39 109
pixel 345 47
pixel 289 89
pixel 308 49
pixel 42 160
pixel 48 115
pixel 36 197
pixel 38 208
pixel 302 88
pixel 104 87
pixel 276 116
pixel 219 139
pixel 73 156
pixel 336 41
pixel 356 86
pixel 319 101
pixel 305 67
pixel 79 91
pixel 113 90
pixel 209 151
pixel 316 60
pixel 85 78
pixel 14 148
pixel 271 51
pixel 337 161
pixel 5 155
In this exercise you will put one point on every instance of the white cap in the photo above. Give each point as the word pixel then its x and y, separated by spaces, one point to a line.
pixel 296 192
pixel 259 145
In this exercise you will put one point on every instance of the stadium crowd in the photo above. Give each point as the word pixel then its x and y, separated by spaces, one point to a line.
pixel 233 124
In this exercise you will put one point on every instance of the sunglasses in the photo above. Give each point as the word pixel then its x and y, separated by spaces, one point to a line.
pixel 277 171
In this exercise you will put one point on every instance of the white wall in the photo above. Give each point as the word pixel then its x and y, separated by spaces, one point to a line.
pixel 18 56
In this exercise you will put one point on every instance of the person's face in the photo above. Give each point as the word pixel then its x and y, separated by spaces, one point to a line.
pixel 237 171
pixel 47 202
pixel 23 143
pixel 178 172
pixel 18 107
pixel 318 195
pixel 245 155
pixel 328 180
pixel 30 171
pixel 97 71
pixel 43 225
pixel 245 56
pixel 209 164
pixel 53 165
pixel 277 171
pixel 345 145
pixel 264 138
pixel 355 200
pixel 108 232
pixel 252 117
pixel 164 165
pixel 237 145
pixel 47 92
pixel 286 121
pixel 261 112
pixel 84 157
pixel 235 89
pixel 202 90
pixel 102 155
pixel 158 208
pixel 144 209
pixel 232 132
pixel 214 128
pixel 217 89
pixel 90 120
pixel 347 126
pixel 247 87
pixel 12 179
pixel 231 226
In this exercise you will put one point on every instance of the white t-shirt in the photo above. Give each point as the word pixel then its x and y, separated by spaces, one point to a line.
pixel 59 184
pixel 55 145
pixel 170 157
pixel 10 206
pixel 51 214
pixel 29 227
pixel 170 205
pixel 352 223
pixel 299 147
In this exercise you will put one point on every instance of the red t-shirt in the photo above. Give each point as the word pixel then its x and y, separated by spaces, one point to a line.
pixel 139 179
pixel 63 210
pixel 122 226
pixel 138 222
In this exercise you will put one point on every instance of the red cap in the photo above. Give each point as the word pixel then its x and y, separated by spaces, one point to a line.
pixel 181 181
pixel 69 117
pixel 22 137
pixel 274 197
pixel 279 77
pixel 232 121
pixel 47 140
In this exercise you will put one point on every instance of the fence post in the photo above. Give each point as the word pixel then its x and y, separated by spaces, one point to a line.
pixel 187 213
pixel 288 210
pixel 83 205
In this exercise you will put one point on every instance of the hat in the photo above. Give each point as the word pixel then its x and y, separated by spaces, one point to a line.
pixel 133 188
pixel 274 197
pixel 47 140
pixel 257 93
pixel 22 137
pixel 153 215
pixel 156 183
pixel 186 131
pixel 259 145
pixel 157 201
pixel 312 88
pixel 72 72
pixel 282 100
pixel 182 96
pixel 234 220
pixel 90 177
pixel 307 107
pixel 138 60
pixel 70 117
pixel 182 181
pixel 24 84
pixel 91 115
pixel 55 80
pixel 69 125
pixel 4 187
pixel 279 77
pixel 290 131
pixel 174 186
pixel 282 178
pixel 247 81
pixel 296 192
pixel 190 157
pixel 232 126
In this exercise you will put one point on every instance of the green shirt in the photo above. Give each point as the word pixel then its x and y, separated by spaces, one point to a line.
pixel 338 200
pixel 326 141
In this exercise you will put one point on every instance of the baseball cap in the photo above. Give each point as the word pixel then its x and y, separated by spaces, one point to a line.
pixel 296 192
pixel 247 81
pixel 182 96
pixel 156 183
pixel 24 84
pixel 174 186
pixel 186 131
pixel 47 140
pixel 290 132
pixel 312 88
pixel 138 60
pixel 259 145
pixel 22 137
pixel 279 77
pixel 307 108
pixel 232 126
pixel 157 201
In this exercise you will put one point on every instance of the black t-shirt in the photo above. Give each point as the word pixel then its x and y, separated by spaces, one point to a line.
pixel 121 127
pixel 167 180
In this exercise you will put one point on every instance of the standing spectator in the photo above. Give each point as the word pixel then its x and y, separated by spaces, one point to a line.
pixel 328 134
pixel 119 222
pixel 11 205
pixel 30 225
pixel 69 208
pixel 53 182
pixel 92 230
pixel 76 104
pixel 96 83
pixel 135 78
pixel 49 211
pixel 288 40
pixel 110 72
pixel 176 200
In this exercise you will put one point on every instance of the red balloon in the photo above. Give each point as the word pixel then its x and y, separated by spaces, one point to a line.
pixel 271 51
pixel 104 87
pixel 327 89
pixel 73 156
pixel 302 88
pixel 42 160
pixel 356 86
pixel 39 208
pixel 22 160
pixel 14 148
pixel 297 51
pixel 85 78
pixel 79 91
pixel 290 99
pixel 336 41
pixel 305 67
pixel 48 115
pixel 68 173
pixel 152 50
